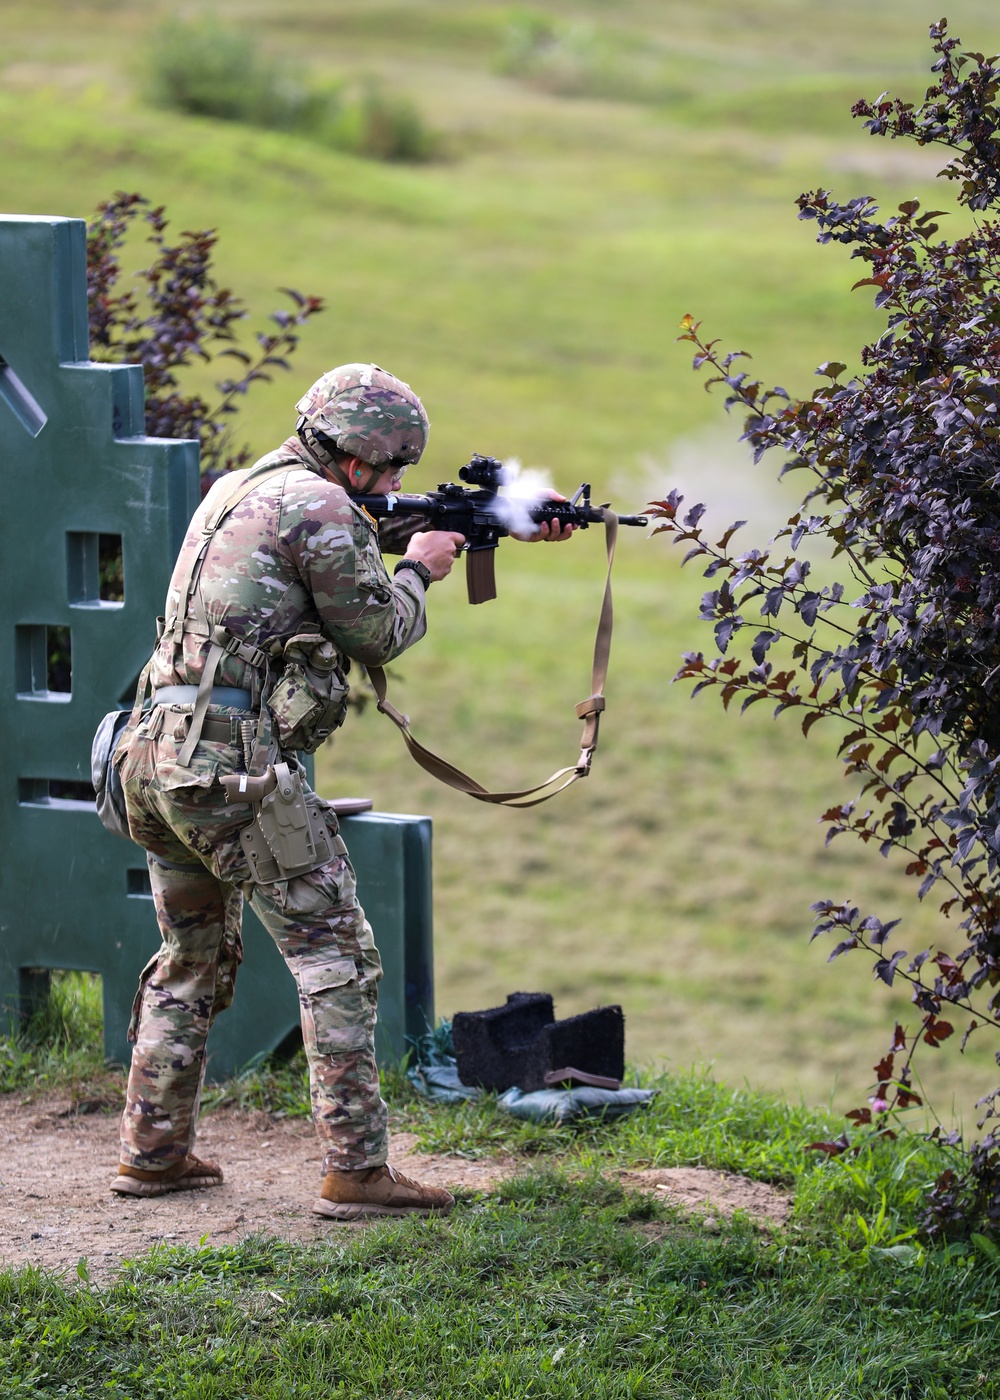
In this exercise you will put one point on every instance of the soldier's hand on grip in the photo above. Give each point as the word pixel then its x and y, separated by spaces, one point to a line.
pixel 437 549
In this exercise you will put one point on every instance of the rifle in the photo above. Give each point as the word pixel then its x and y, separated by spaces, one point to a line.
pixel 483 516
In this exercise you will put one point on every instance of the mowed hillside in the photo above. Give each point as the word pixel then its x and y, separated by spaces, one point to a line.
pixel 528 282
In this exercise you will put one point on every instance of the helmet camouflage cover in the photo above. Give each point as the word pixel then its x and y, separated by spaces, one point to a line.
pixel 367 413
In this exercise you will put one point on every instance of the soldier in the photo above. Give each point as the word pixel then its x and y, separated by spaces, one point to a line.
pixel 279 585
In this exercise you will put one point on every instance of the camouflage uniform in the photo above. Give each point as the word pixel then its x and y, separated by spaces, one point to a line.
pixel 294 552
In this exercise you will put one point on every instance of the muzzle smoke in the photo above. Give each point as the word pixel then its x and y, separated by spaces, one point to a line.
pixel 522 488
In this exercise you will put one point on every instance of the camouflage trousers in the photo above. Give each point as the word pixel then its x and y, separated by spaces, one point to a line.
pixel 199 879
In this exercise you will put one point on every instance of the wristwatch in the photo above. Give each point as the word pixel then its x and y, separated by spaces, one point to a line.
pixel 420 569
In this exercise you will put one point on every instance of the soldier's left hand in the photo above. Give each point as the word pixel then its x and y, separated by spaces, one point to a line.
pixel 550 530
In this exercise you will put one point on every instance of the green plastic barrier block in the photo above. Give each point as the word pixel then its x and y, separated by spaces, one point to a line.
pixel 95 513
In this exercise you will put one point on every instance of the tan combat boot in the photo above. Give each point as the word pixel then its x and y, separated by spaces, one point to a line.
pixel 378 1191
pixel 189 1174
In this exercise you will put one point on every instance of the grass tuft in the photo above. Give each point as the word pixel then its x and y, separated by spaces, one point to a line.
pixel 60 1046
pixel 207 69
pixel 274 1084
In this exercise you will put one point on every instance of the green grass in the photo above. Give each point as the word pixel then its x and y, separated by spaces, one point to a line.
pixel 558 1283
pixel 554 1288
pixel 529 286
pixel 677 879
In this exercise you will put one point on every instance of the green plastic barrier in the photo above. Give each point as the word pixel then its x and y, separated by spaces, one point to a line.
pixel 94 515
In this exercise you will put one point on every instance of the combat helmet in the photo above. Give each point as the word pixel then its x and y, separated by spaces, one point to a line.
pixel 366 412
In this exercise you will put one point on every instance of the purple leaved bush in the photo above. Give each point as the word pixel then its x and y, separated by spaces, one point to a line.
pixel 903 465
pixel 175 316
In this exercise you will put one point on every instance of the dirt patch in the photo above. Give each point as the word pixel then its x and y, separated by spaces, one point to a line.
pixel 56 1166
pixel 56 1163
pixel 711 1193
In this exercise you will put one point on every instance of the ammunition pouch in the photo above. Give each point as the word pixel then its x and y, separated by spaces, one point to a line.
pixel 288 836
pixel 309 701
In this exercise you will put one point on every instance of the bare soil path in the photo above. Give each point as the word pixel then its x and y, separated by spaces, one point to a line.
pixel 56 1165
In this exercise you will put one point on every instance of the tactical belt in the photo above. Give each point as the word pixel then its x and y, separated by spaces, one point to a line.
pixel 227 697
pixel 221 729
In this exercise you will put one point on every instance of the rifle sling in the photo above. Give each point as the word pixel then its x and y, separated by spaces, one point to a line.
pixel 588 710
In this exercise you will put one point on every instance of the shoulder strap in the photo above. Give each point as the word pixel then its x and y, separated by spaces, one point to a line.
pixel 589 710
pixel 241 486
pixel 221 642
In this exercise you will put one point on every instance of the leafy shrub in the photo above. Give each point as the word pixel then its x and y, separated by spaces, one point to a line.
pixel 180 316
pixel 905 652
pixel 211 70
pixel 381 126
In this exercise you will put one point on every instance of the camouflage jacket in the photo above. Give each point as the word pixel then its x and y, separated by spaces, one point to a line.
pixel 294 552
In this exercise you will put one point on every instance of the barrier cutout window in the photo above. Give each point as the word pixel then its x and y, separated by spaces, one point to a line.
pixel 61 793
pixel 94 569
pixel 59 660
pixel 43 662
pixel 137 884
pixel 62 1002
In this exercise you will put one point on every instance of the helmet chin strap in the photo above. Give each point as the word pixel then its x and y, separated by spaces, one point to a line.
pixel 310 440
pixel 325 460
pixel 331 467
